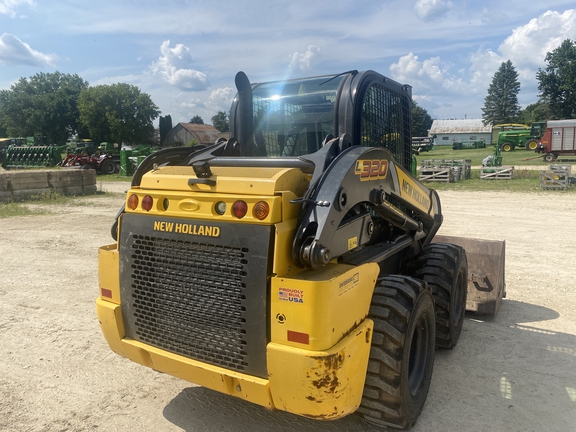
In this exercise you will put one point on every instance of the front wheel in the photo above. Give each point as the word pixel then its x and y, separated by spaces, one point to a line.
pixel 402 352
pixel 507 147
pixel 444 267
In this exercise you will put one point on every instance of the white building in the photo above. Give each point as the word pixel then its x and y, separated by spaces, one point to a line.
pixel 468 130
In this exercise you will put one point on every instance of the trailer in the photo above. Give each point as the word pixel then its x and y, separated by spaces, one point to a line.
pixel 558 140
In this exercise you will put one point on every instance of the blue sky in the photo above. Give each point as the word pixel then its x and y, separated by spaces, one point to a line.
pixel 185 54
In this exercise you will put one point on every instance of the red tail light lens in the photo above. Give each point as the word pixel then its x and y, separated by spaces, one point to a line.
pixel 261 210
pixel 133 202
pixel 147 202
pixel 239 209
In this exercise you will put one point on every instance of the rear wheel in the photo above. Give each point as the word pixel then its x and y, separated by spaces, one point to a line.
pixel 531 144
pixel 549 157
pixel 445 268
pixel 507 147
pixel 402 352
pixel 108 167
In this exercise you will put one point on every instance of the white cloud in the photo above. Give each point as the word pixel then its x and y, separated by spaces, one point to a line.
pixel 174 66
pixel 436 81
pixel 528 44
pixel 429 76
pixel 484 64
pixel 15 52
pixel 430 10
pixel 305 61
pixel 8 7
pixel 184 108
pixel 220 99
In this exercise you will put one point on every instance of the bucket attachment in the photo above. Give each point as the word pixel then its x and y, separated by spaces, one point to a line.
pixel 486 262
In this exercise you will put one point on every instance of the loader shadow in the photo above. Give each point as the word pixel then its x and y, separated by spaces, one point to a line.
pixel 507 369
pixel 509 345
pixel 201 409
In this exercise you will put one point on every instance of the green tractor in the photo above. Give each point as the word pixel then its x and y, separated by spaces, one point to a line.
pixel 517 135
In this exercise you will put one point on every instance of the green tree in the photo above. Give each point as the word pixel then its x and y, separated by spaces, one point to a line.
pixel 196 120
pixel 557 82
pixel 117 113
pixel 501 103
pixel 165 126
pixel 220 122
pixel 42 105
pixel 536 112
pixel 421 121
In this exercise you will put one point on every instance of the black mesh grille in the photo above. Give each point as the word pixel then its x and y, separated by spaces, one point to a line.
pixel 189 298
pixel 197 296
pixel 386 123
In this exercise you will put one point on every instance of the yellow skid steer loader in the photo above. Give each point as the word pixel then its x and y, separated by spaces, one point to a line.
pixel 296 264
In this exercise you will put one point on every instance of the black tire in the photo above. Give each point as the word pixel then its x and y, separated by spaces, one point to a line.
pixel 108 167
pixel 549 157
pixel 531 144
pixel 114 230
pixel 445 268
pixel 507 147
pixel 402 352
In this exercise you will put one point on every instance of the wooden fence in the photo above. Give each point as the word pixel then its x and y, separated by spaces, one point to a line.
pixel 497 173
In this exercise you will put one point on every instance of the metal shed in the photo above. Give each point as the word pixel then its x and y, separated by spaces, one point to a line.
pixel 183 133
pixel 449 131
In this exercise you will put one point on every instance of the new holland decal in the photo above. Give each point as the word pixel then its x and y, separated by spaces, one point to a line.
pixel 190 229
pixel 412 192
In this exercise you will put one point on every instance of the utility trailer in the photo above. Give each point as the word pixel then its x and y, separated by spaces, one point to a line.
pixel 558 140
pixel 293 265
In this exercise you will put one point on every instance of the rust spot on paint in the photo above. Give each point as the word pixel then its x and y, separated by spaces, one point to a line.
pixel 328 377
pixel 329 416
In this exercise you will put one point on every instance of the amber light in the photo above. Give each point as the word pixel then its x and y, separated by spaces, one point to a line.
pixel 239 209
pixel 133 202
pixel 261 210
pixel 147 202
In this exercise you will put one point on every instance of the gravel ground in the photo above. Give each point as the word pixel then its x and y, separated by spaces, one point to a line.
pixel 512 372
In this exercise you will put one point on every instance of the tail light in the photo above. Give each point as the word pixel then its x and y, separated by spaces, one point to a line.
pixel 133 202
pixel 261 210
pixel 147 203
pixel 239 209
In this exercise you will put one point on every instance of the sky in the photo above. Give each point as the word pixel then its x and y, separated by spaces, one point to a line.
pixel 185 54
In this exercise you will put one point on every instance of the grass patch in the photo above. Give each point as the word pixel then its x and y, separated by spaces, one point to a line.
pixel 13 209
pixel 36 205
pixel 51 197
pixel 525 179
pixel 516 157
pixel 114 178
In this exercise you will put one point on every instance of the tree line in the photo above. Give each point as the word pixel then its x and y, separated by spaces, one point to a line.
pixel 57 106
pixel 556 84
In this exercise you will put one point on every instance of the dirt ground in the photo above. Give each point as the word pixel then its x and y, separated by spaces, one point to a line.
pixel 512 372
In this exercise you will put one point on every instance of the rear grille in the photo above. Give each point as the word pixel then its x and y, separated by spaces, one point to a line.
pixel 196 299
pixel 189 298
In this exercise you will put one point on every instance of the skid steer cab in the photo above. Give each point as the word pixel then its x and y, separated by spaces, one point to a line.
pixel 294 265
